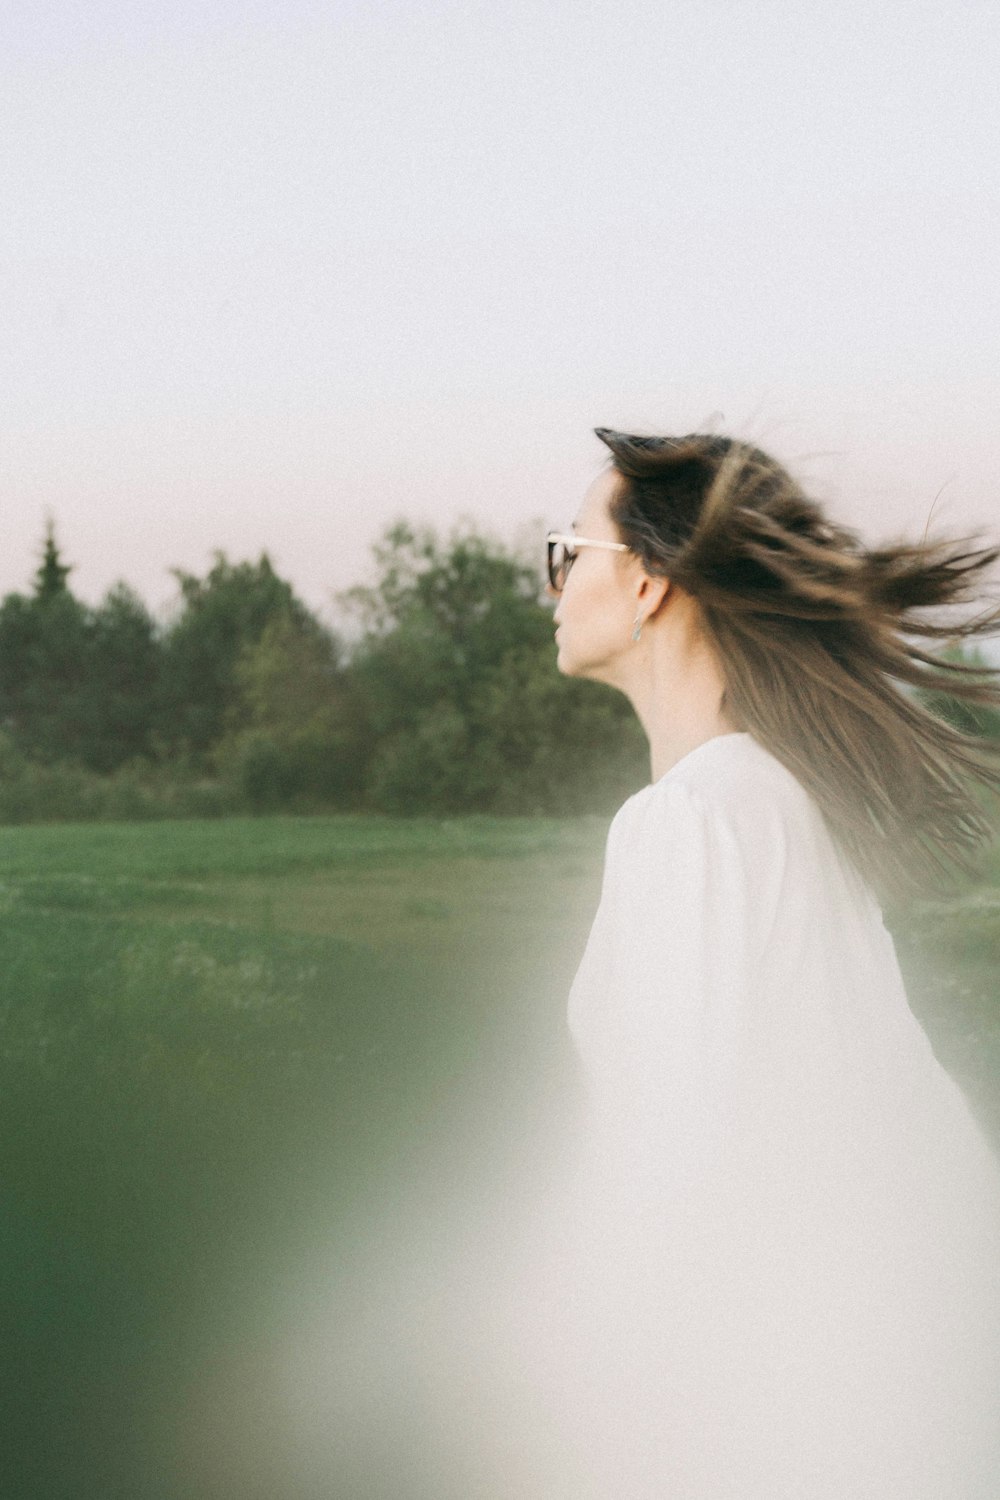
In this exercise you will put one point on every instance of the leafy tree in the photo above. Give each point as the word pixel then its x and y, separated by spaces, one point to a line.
pixel 448 700
pixel 221 616
pixel 440 615
pixel 293 735
pixel 457 685
pixel 287 675
pixel 547 744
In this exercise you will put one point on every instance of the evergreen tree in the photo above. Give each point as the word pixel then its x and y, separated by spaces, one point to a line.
pixel 123 680
pixel 44 661
pixel 50 579
pixel 77 684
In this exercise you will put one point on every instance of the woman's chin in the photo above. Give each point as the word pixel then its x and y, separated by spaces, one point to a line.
pixel 564 663
pixel 573 666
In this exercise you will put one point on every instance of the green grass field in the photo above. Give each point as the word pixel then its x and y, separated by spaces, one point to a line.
pixel 226 1044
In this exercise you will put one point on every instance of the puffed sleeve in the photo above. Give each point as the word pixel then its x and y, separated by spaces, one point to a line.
pixel 676 948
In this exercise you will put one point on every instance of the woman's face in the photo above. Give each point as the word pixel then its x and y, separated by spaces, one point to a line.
pixel 597 607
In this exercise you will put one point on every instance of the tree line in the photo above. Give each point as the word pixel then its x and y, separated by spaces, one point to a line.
pixel 439 694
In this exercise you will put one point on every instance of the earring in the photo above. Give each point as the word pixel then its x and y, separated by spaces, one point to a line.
pixel 637 628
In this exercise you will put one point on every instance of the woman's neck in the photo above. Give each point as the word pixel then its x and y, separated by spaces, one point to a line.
pixel 675 684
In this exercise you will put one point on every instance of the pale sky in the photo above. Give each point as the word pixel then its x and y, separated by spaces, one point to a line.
pixel 277 273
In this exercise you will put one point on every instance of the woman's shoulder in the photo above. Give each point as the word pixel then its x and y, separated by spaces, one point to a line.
pixel 731 820
pixel 731 778
pixel 729 811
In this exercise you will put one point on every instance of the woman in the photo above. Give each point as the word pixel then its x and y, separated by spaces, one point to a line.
pixel 769 1268
pixel 776 1275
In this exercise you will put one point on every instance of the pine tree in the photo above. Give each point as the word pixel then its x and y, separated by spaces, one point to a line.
pixel 50 580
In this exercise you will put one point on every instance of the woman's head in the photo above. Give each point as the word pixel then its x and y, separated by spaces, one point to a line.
pixel 603 594
pixel 714 515
pixel 814 633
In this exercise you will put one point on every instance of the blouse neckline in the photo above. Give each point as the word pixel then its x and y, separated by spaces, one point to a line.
pixel 702 749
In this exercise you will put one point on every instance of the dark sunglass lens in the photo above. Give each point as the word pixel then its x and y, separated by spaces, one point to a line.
pixel 556 559
pixel 560 565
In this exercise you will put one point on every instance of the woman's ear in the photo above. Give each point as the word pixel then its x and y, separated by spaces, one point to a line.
pixel 652 594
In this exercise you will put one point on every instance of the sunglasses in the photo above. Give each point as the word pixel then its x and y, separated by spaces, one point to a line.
pixel 562 554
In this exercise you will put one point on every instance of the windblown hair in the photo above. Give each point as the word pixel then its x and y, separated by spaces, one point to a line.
pixel 816 635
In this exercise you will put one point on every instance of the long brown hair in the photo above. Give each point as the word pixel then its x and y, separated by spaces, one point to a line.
pixel 816 635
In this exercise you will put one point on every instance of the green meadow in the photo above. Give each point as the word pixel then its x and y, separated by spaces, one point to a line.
pixel 226 1043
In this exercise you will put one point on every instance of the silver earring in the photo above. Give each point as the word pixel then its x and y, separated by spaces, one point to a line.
pixel 637 628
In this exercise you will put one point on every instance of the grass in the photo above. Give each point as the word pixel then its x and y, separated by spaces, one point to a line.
pixel 228 1046
pixel 279 846
pixel 224 1043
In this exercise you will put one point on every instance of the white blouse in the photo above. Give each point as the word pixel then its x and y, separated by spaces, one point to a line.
pixel 769 1268
pixel 775 1271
